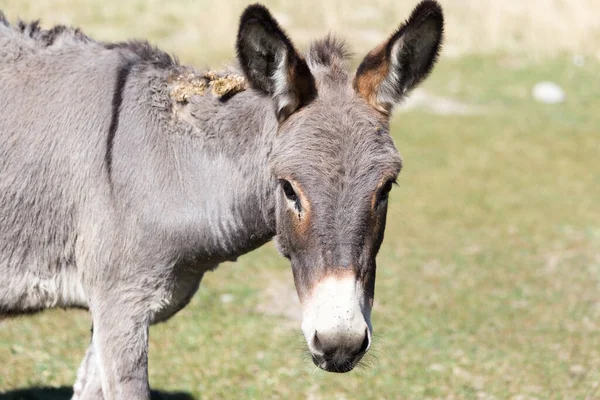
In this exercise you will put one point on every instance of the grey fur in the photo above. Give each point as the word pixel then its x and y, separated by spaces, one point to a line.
pixel 116 198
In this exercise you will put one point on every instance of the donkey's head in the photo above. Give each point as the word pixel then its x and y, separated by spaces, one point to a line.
pixel 336 164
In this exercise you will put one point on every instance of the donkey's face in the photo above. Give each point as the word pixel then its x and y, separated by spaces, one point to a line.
pixel 336 164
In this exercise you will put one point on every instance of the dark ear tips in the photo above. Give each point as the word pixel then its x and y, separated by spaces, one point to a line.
pixel 271 63
pixel 259 41
pixel 392 69
pixel 426 12
pixel 257 14
pixel 256 11
pixel 427 8
pixel 425 34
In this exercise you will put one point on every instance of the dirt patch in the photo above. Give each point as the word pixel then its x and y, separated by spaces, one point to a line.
pixel 189 84
pixel 279 298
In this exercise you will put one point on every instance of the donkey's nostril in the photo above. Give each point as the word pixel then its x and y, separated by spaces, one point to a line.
pixel 365 343
pixel 337 351
pixel 317 343
pixel 334 343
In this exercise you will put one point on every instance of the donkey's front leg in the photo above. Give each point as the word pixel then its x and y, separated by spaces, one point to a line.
pixel 89 383
pixel 120 342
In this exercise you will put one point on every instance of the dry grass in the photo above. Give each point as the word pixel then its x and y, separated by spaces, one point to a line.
pixel 201 30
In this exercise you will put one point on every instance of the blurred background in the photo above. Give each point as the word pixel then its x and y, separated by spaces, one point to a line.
pixel 489 277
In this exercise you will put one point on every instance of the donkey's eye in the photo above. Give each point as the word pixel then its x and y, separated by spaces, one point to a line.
pixel 385 190
pixel 290 194
pixel 289 191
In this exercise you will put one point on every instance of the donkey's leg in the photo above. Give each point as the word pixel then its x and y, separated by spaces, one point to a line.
pixel 89 383
pixel 121 346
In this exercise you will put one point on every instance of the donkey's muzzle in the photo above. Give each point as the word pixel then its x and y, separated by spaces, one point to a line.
pixel 339 352
pixel 335 322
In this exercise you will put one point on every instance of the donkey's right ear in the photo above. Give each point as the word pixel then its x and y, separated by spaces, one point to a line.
pixel 271 63
pixel 399 64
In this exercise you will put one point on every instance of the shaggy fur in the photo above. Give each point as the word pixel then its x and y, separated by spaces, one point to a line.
pixel 120 186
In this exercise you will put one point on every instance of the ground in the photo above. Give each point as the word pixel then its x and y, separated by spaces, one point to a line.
pixel 488 279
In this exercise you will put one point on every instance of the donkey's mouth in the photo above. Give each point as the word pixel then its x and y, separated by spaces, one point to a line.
pixel 338 366
pixel 340 361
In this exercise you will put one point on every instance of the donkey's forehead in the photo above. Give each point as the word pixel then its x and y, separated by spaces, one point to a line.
pixel 331 137
pixel 338 132
pixel 340 115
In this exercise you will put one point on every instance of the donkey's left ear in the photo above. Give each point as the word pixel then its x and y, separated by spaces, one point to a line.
pixel 396 66
pixel 271 63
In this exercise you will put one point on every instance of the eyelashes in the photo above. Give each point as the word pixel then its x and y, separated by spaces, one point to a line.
pixel 290 195
pixel 384 191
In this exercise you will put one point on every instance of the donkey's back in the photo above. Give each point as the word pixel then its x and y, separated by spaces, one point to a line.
pixel 56 97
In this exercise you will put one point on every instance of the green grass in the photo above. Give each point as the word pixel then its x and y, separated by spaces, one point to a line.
pixel 488 281
pixel 489 277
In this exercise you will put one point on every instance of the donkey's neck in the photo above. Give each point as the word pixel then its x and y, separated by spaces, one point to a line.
pixel 228 175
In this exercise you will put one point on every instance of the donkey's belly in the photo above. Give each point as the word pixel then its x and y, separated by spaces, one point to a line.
pixel 25 291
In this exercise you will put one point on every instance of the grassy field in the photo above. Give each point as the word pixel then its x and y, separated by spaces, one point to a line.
pixel 489 277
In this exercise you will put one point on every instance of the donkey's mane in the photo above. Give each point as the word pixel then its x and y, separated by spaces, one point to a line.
pixel 62 35
pixel 327 57
pixel 329 60
pixel 329 51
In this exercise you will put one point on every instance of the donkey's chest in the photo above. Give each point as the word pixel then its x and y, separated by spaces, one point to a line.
pixel 175 293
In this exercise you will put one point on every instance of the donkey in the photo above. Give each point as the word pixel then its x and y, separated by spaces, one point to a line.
pixel 125 176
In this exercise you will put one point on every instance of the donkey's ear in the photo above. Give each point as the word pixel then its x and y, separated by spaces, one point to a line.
pixel 396 66
pixel 271 63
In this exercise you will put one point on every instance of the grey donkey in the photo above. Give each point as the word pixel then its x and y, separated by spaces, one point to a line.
pixel 125 176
